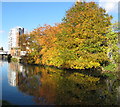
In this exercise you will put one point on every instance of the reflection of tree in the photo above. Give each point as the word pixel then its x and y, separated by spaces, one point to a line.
pixel 116 89
pixel 28 81
pixel 118 95
pixel 48 88
pixel 53 86
pixel 29 85
pixel 82 89
pixel 76 89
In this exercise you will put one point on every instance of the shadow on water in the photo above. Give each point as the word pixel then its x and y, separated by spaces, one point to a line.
pixel 49 85
pixel 8 104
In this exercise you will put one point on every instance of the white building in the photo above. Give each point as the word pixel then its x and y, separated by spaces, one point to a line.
pixel 14 37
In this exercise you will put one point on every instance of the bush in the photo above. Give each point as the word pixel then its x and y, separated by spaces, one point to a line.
pixel 14 59
pixel 110 67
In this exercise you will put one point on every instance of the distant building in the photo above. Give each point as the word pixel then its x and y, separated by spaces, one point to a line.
pixel 13 44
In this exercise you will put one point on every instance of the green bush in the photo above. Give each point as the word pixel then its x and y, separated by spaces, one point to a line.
pixel 14 59
pixel 110 67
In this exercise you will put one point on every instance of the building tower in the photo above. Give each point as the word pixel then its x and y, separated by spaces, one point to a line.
pixel 14 35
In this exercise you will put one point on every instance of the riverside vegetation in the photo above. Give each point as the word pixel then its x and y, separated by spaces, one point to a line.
pixel 84 44
pixel 82 40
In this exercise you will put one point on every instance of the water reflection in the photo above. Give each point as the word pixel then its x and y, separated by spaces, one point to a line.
pixel 13 70
pixel 1 63
pixel 53 86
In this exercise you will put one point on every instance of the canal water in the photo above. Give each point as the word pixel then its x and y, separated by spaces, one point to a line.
pixel 38 85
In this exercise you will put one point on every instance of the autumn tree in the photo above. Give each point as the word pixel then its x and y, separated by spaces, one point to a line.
pixel 82 41
pixel 28 43
pixel 79 42
pixel 47 40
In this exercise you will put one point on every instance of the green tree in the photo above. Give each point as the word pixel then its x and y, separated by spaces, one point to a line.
pixel 113 43
pixel 82 42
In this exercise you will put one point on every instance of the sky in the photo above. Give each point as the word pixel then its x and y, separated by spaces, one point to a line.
pixel 31 15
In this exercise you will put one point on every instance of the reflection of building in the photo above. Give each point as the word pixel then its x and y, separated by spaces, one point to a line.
pixel 12 78
pixel 13 73
pixel 14 40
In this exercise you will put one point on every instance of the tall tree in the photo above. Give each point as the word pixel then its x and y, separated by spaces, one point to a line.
pixel 82 41
pixel 79 42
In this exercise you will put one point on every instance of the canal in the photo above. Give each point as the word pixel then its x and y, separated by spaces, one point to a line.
pixel 38 85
